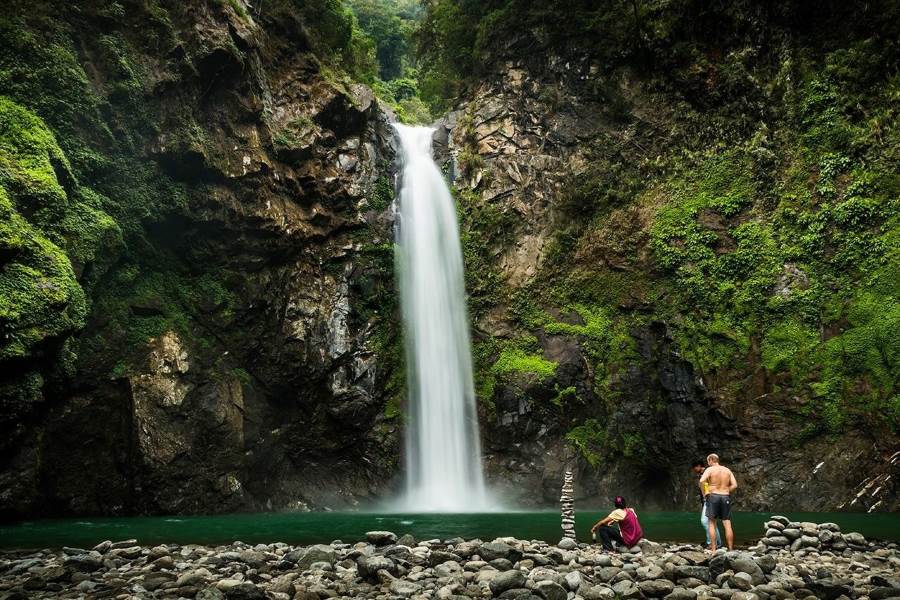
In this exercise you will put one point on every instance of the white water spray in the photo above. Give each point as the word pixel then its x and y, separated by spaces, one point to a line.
pixel 443 451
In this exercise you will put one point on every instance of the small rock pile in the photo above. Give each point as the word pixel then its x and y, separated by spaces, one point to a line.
pixel 782 533
pixel 385 567
pixel 567 502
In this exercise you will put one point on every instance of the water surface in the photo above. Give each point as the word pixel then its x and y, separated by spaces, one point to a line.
pixel 324 527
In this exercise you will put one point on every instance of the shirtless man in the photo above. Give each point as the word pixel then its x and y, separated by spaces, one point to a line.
pixel 718 503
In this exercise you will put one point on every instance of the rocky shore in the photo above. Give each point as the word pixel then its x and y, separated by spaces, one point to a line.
pixel 385 566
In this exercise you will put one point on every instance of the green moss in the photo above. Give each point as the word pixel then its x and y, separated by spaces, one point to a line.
pixel 589 439
pixel 514 360
pixel 564 395
pixel 48 223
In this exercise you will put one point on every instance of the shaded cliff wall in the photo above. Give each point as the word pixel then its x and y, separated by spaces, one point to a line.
pixel 683 244
pixel 196 260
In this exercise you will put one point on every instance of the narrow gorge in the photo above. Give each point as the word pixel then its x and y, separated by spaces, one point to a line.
pixel 679 230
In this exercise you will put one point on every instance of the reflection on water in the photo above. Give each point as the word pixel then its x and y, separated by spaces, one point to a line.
pixel 308 528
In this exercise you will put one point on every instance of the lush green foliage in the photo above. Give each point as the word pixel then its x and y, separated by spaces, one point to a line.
pixel 756 219
pixel 40 297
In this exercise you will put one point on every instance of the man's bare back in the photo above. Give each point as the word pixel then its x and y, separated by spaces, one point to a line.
pixel 720 479
pixel 721 483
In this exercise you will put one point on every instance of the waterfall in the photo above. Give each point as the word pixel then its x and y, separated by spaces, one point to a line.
pixel 443 451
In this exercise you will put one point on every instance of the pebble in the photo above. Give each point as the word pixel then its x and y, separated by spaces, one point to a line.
pixel 381 567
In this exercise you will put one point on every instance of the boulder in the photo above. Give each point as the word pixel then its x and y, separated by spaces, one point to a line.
pixel 399 587
pixel 648 572
pixel 691 571
pixel 826 536
pixel 519 594
pixel 606 573
pixel 567 543
pixel 767 563
pixel 245 590
pixel 745 563
pixel 253 558
pixel 507 580
pixel 681 593
pixel 494 550
pixel 368 566
pixel 550 590
pixel 808 541
pixel 449 568
pixel 545 574
pixel 741 581
pixel 831 589
pixel 87 562
pixel 381 538
pixel 210 593
pixel 439 556
pixel 596 592
pixel 305 557
pixel 656 588
pixel 573 580
pixel 627 590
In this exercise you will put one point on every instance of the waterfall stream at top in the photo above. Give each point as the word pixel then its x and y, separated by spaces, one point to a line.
pixel 443 450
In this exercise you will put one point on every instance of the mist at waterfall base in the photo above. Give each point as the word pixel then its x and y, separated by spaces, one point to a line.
pixel 442 447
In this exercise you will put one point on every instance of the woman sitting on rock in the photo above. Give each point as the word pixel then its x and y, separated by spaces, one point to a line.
pixel 629 532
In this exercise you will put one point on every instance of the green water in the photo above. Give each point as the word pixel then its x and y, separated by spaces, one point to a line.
pixel 308 528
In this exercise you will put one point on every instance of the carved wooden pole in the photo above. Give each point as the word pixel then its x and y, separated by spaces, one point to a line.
pixel 567 502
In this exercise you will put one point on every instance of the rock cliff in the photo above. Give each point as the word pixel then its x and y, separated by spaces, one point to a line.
pixel 664 259
pixel 566 169
pixel 229 346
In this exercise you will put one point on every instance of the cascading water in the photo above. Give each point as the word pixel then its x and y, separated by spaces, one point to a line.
pixel 443 451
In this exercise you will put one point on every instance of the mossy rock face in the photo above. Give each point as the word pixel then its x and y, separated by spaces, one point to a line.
pixel 149 188
pixel 49 227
